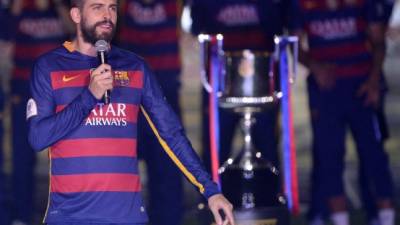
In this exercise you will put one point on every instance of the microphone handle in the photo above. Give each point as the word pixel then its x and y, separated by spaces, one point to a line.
pixel 107 94
pixel 107 97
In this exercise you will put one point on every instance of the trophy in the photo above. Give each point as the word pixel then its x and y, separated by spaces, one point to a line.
pixel 247 82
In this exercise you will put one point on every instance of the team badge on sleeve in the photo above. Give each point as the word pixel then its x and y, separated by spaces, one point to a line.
pixel 31 108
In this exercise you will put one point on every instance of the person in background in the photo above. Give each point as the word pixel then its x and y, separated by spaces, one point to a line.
pixel 5 68
pixel 346 51
pixel 94 175
pixel 40 25
pixel 151 28
pixel 318 210
pixel 366 192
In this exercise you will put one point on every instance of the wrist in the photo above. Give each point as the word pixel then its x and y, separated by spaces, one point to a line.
pixel 88 100
pixel 96 94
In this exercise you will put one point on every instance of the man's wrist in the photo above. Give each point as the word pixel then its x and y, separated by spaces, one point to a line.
pixel 211 192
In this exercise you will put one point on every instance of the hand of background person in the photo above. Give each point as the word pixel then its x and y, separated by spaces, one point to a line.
pixel 219 202
pixel 101 80
pixel 324 74
pixel 370 90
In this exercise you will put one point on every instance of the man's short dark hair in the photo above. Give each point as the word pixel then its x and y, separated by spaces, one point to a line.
pixel 78 3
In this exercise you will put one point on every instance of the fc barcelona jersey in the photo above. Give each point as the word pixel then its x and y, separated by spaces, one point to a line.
pixel 92 147
pixel 245 24
pixel 337 32
pixel 150 29
pixel 36 32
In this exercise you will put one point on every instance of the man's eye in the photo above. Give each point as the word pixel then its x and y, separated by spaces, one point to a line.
pixel 113 8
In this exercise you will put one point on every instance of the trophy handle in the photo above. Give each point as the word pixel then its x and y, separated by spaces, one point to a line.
pixel 210 47
pixel 281 43
pixel 204 81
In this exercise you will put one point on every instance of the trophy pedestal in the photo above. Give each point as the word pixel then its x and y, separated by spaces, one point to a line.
pixel 252 184
pixel 249 181
pixel 278 215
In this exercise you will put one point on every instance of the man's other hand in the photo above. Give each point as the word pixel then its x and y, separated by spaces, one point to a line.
pixel 324 74
pixel 370 90
pixel 219 202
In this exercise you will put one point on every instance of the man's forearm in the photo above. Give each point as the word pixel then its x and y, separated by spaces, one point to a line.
pixel 378 56
pixel 378 49
pixel 46 130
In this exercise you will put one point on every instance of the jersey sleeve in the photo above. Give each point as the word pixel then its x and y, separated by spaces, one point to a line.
pixel 170 133
pixel 45 125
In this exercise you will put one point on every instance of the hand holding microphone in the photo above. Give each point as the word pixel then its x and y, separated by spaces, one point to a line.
pixel 101 79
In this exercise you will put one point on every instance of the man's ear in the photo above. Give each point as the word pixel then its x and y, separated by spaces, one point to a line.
pixel 75 15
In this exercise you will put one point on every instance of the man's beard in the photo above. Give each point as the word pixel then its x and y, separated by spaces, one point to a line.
pixel 89 32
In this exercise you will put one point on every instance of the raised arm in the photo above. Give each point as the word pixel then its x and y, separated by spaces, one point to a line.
pixel 46 126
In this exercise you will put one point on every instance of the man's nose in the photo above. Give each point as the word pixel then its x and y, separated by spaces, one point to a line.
pixel 107 14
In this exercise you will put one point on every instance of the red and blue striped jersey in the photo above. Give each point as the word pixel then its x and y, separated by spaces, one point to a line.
pixel 92 147
pixel 150 29
pixel 337 32
pixel 245 24
pixel 36 33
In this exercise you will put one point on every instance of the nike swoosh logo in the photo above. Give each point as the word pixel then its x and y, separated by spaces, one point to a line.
pixel 67 79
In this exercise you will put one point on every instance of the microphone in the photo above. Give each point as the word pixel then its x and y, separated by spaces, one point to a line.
pixel 102 49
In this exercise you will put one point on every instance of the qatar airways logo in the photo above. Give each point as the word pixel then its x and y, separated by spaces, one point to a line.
pixel 39 28
pixel 335 28
pixel 238 15
pixel 147 15
pixel 108 115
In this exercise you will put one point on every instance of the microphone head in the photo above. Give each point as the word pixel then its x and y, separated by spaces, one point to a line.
pixel 101 46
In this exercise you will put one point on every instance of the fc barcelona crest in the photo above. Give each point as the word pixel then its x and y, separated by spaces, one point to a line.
pixel 121 78
pixel 246 66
